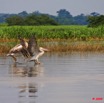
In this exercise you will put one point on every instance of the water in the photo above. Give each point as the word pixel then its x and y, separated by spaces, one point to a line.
pixel 61 78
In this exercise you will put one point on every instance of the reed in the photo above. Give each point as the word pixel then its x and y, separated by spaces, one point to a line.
pixel 58 45
pixel 68 45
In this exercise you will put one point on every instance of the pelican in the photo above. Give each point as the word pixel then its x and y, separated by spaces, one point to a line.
pixel 41 51
pixel 28 49
pixel 19 48
pixel 34 51
pixel 14 50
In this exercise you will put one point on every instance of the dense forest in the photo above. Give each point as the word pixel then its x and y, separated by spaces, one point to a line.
pixel 63 17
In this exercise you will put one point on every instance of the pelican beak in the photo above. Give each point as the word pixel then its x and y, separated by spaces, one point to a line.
pixel 46 49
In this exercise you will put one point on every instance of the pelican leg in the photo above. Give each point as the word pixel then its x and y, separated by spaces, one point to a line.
pixel 14 58
pixel 36 61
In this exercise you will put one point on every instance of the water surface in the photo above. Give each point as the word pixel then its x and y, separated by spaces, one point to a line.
pixel 61 78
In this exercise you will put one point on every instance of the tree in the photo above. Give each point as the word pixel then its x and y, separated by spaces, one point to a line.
pixel 31 20
pixel 80 19
pixel 15 20
pixel 39 20
pixel 63 13
pixel 95 21
pixel 23 14
pixel 94 14
pixel 36 13
pixel 46 20
pixel 64 17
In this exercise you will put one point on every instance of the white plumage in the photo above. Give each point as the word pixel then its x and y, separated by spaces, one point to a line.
pixel 28 49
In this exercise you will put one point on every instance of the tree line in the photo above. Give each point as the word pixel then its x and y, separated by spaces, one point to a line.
pixel 63 17
pixel 31 20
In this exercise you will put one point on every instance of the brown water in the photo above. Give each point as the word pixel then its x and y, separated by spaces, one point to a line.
pixel 61 78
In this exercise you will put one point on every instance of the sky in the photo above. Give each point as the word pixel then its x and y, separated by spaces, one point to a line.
pixel 75 7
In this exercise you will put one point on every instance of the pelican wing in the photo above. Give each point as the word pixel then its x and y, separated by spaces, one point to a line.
pixel 25 53
pixel 16 49
pixel 32 46
pixel 24 44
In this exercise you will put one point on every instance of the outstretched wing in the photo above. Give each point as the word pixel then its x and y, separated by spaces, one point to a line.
pixel 24 49
pixel 32 45
pixel 22 42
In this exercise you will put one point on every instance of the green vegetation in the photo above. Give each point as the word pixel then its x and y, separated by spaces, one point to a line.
pixel 56 38
pixel 95 21
pixel 53 32
pixel 63 17
pixel 30 20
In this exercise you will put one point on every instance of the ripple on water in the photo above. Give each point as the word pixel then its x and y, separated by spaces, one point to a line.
pixel 69 78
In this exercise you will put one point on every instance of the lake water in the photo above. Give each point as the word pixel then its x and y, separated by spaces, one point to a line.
pixel 61 78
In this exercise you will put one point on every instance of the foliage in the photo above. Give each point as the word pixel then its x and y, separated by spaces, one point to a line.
pixel 30 20
pixel 95 21
pixel 94 14
pixel 80 19
pixel 15 20
pixel 63 13
pixel 23 14
pixel 53 32
pixel 63 17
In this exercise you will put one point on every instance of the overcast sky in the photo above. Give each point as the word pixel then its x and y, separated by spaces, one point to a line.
pixel 75 7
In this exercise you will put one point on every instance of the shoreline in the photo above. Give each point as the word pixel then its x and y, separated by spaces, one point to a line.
pixel 57 45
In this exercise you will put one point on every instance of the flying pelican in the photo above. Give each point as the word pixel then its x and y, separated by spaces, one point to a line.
pixel 34 50
pixel 28 49
pixel 39 54
pixel 19 48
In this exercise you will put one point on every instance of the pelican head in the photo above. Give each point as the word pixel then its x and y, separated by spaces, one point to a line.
pixel 43 49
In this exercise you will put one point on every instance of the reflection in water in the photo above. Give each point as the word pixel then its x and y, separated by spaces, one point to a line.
pixel 27 90
pixel 70 78
pixel 24 70
pixel 27 93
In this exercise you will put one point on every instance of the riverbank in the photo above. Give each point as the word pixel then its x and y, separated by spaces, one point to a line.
pixel 57 45
pixel 56 38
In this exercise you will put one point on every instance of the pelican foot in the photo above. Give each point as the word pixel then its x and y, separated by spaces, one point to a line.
pixel 37 62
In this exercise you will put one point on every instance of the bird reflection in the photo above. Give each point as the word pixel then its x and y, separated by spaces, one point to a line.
pixel 24 70
pixel 27 90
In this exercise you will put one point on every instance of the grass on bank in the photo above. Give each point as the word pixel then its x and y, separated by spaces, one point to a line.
pixel 56 38
pixel 59 45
